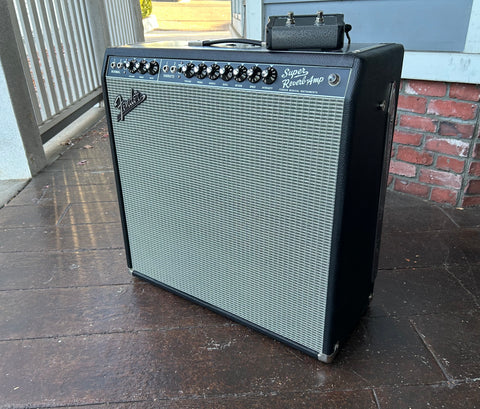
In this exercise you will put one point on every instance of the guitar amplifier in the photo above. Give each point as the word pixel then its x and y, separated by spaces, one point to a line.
pixel 252 182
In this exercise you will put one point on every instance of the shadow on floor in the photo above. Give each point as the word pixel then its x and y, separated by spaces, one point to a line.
pixel 77 329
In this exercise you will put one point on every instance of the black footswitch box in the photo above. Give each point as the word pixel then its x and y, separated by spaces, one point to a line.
pixel 320 31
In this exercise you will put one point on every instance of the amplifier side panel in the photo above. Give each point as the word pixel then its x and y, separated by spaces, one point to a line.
pixel 229 197
pixel 369 116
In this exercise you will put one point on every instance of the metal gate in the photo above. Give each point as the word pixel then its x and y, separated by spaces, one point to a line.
pixel 61 45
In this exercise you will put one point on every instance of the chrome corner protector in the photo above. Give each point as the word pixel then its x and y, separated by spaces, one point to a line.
pixel 328 359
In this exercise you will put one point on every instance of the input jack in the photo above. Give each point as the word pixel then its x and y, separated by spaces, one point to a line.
pixel 173 69
pixel 119 65
pixel 112 64
pixel 165 68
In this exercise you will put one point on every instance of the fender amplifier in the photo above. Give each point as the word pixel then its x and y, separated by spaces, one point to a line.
pixel 252 182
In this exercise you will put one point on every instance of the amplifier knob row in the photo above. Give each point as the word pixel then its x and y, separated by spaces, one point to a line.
pixel 227 72
pixel 240 73
pixel 142 67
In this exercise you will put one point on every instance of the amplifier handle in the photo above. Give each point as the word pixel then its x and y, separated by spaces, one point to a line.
pixel 390 128
pixel 208 43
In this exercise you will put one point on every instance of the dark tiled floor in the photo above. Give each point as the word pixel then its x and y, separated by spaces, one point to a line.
pixel 77 330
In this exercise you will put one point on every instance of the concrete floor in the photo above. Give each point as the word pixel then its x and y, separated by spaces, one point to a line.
pixel 77 330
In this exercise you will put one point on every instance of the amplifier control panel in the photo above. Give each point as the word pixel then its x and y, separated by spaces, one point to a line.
pixel 300 79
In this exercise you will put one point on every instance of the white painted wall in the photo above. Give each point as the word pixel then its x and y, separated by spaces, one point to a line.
pixel 433 66
pixel 13 161
pixel 449 67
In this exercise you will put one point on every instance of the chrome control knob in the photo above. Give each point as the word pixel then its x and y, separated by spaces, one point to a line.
pixel 213 71
pixel 254 74
pixel 200 71
pixel 188 70
pixel 154 67
pixel 144 67
pixel 132 66
pixel 269 75
pixel 226 72
pixel 240 73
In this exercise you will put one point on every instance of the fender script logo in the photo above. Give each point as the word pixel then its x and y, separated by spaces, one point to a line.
pixel 299 78
pixel 127 105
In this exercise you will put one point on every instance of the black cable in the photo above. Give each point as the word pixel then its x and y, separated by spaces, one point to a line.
pixel 348 28
pixel 207 43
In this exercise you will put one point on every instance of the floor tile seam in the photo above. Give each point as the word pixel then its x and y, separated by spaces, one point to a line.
pixel 60 224
pixel 411 316
pixel 74 170
pixel 192 397
pixel 312 391
pixel 43 405
pixel 272 393
pixel 52 226
pixel 203 397
pixel 36 205
pixel 408 269
pixel 73 287
pixel 375 398
pixel 106 183
pixel 66 250
pixel 67 208
pixel 466 289
pixel 430 349
pixel 439 230
pixel 432 314
pixel 381 387
pixel 448 215
pixel 424 232
pixel 430 266
pixel 448 384
pixel 100 157
pixel 63 251
pixel 105 157
pixel 124 332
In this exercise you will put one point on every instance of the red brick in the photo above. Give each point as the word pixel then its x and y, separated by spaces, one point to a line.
pixel 446 163
pixel 462 110
pixel 412 104
pixel 474 169
pixel 453 147
pixel 428 88
pixel 411 155
pixel 411 187
pixel 476 151
pixel 418 122
pixel 473 187
pixel 456 129
pixel 402 168
pixel 468 92
pixel 440 178
pixel 407 138
pixel 471 201
pixel 440 195
pixel 389 180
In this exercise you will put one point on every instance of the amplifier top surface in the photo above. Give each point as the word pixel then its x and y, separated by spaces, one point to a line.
pixel 243 48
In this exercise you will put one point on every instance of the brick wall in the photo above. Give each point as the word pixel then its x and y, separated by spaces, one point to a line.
pixel 436 146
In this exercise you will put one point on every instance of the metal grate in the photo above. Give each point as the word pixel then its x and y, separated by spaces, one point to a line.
pixel 61 46
pixel 229 197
